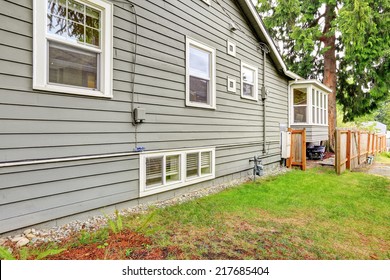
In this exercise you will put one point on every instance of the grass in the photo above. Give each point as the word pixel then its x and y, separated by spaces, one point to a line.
pixel 300 215
pixel 383 158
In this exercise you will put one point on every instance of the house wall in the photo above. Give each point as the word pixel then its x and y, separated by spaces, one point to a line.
pixel 314 133
pixel 36 125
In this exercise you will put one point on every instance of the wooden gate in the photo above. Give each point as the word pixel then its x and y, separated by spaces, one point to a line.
pixel 298 149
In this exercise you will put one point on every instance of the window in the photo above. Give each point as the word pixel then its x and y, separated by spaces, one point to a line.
pixel 249 81
pixel 313 107
pixel 200 75
pixel 325 109
pixel 309 103
pixel 72 47
pixel 169 170
pixel 319 107
pixel 300 105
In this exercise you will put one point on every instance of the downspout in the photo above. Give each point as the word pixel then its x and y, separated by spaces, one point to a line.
pixel 264 93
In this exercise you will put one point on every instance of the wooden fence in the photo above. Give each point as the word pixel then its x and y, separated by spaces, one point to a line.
pixel 354 147
pixel 298 149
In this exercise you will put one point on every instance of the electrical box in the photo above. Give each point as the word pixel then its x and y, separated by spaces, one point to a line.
pixel 139 115
pixel 264 93
pixel 286 144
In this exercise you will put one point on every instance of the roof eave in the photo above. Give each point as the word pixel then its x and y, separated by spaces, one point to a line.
pixel 257 23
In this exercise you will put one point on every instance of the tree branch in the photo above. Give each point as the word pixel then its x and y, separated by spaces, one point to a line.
pixel 315 22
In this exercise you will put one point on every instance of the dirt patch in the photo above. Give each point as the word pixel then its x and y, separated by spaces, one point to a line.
pixel 120 246
pixel 381 169
pixel 328 160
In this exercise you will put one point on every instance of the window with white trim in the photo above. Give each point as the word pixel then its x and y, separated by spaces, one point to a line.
pixel 319 107
pixel 309 105
pixel 200 75
pixel 300 105
pixel 169 170
pixel 249 81
pixel 72 47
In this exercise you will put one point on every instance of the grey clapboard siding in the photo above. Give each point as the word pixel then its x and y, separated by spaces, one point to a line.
pixel 314 133
pixel 35 194
pixel 37 125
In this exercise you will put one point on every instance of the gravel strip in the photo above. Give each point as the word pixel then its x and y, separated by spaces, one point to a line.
pixel 58 233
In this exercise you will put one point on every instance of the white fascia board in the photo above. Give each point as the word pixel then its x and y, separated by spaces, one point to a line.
pixel 311 82
pixel 269 40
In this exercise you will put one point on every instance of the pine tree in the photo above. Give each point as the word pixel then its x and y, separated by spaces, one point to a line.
pixel 344 44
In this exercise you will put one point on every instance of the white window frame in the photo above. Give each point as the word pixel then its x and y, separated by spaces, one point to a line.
pixel 40 51
pixel 191 42
pixel 184 181
pixel 255 84
pixel 312 106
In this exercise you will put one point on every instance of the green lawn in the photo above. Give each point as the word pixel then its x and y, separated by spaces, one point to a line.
pixel 299 215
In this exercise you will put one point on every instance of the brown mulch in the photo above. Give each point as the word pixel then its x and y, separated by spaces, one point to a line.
pixel 120 246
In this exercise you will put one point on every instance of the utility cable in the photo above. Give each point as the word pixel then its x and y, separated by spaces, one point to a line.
pixel 133 70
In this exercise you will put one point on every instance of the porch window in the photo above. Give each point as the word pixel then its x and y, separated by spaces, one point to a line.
pixel 300 105
pixel 309 103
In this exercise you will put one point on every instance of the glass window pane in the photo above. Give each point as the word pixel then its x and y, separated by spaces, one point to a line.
pixel 75 21
pixel 313 97
pixel 154 171
pixel 75 31
pixel 318 115
pixel 205 163
pixel 57 7
pixel 313 114
pixel 300 97
pixel 324 102
pixel 92 36
pixel 300 114
pixel 92 18
pixel 76 11
pixel 199 63
pixel 325 116
pixel 56 25
pixel 71 66
pixel 199 90
pixel 172 168
pixel 248 75
pixel 248 90
pixel 192 164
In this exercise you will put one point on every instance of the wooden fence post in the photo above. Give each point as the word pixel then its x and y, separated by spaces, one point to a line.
pixel 376 144
pixel 338 152
pixel 289 160
pixel 349 139
pixel 359 146
pixel 304 149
